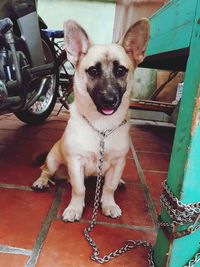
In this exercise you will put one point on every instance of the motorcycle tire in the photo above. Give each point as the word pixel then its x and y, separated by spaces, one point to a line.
pixel 43 107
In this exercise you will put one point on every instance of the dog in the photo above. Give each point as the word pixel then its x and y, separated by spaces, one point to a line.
pixel 102 86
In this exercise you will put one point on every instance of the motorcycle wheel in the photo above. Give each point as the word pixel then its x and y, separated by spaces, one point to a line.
pixel 66 74
pixel 43 107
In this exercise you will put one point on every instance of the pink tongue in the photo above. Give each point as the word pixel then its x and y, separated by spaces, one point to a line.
pixel 107 111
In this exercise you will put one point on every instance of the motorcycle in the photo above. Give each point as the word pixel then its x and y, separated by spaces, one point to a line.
pixel 30 66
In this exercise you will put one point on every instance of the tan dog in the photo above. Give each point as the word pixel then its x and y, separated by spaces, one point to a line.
pixel 102 87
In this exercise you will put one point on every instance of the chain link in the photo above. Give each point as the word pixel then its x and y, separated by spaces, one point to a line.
pixel 129 244
pixel 193 261
pixel 180 213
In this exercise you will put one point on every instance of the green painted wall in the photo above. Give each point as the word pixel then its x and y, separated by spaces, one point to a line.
pixel 96 17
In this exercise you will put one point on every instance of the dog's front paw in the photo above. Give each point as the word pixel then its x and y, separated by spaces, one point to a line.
pixel 112 211
pixel 41 184
pixel 72 214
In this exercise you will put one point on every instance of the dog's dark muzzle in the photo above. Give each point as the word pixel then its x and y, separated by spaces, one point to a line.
pixel 107 102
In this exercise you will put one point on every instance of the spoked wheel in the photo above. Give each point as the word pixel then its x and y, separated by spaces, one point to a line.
pixel 44 105
pixel 66 73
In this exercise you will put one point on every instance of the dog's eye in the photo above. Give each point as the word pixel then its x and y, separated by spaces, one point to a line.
pixel 93 71
pixel 120 71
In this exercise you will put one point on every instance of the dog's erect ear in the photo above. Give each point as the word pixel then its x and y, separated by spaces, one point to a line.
pixel 76 41
pixel 136 39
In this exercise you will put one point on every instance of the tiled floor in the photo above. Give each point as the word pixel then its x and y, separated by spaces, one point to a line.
pixel 31 230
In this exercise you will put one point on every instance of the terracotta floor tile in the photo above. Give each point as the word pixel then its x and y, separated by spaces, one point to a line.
pixel 3 149
pixel 65 245
pixel 16 168
pixel 10 136
pixel 44 135
pixel 130 199
pixel 55 123
pixel 153 132
pixel 12 260
pixel 19 174
pixel 7 136
pixel 152 139
pixel 60 118
pixel 154 161
pixel 31 147
pixel 22 215
pixel 154 182
pixel 146 144
pixel 130 173
pixel 143 131
pixel 10 124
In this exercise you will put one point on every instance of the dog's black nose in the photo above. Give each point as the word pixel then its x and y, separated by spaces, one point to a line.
pixel 108 100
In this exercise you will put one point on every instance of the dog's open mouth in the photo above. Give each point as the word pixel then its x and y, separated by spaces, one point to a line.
pixel 106 101
pixel 107 111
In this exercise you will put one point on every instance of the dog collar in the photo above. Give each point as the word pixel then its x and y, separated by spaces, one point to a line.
pixel 107 132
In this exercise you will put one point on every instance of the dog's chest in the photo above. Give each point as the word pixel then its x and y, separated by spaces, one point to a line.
pixel 90 160
pixel 84 143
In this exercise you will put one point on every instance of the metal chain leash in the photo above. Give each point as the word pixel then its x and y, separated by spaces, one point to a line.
pixel 129 244
pixel 181 214
pixel 193 261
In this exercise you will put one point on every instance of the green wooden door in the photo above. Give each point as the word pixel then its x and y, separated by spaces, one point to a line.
pixel 175 27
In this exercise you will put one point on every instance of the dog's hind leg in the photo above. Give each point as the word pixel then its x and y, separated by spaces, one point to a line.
pixel 51 165
pixel 112 180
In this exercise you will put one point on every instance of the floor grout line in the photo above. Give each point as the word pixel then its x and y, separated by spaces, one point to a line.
pixel 153 152
pixel 140 122
pixel 149 170
pixel 14 250
pixel 154 171
pixel 149 200
pixel 14 186
pixel 125 226
pixel 44 229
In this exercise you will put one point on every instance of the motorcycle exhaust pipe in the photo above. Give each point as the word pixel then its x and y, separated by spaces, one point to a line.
pixel 43 70
pixel 37 95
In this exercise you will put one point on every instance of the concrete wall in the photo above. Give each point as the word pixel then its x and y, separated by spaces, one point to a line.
pixel 128 12
pixel 96 17
pixel 144 83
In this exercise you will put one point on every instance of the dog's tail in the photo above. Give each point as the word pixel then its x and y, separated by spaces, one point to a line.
pixel 39 159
